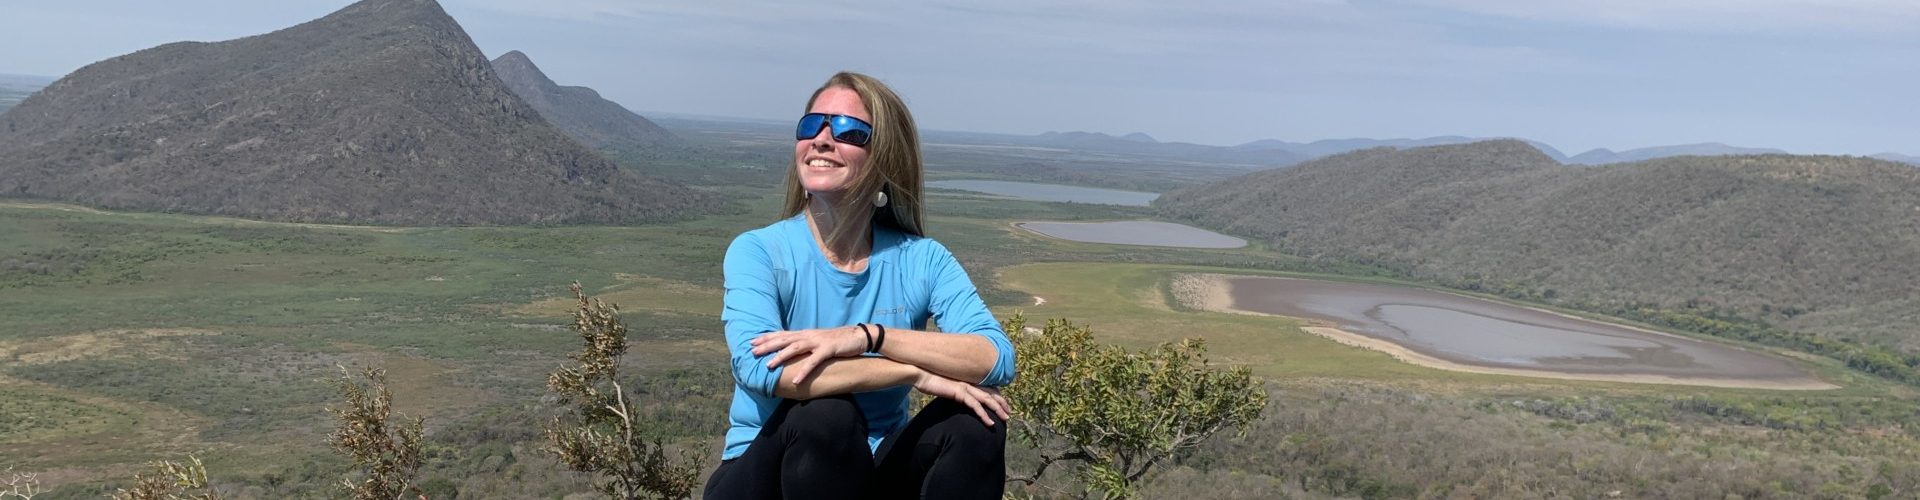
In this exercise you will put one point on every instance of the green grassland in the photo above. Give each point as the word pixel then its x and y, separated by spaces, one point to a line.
pixel 126 338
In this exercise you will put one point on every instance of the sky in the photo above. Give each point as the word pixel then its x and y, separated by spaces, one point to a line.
pixel 1806 76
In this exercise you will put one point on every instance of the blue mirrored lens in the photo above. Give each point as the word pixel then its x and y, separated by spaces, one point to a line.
pixel 851 130
pixel 846 129
pixel 809 125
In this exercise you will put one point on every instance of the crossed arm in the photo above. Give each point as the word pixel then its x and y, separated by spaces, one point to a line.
pixel 805 364
pixel 826 362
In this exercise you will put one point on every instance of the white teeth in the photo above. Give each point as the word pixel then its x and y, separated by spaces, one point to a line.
pixel 820 163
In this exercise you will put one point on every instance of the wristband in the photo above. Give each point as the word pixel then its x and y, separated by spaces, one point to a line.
pixel 877 344
pixel 869 334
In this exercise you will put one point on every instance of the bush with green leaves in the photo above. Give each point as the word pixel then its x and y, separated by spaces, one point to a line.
pixel 388 461
pixel 602 432
pixel 1116 413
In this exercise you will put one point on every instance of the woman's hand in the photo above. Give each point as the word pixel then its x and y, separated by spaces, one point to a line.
pixel 816 345
pixel 982 399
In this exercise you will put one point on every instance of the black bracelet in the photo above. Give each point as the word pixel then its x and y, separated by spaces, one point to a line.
pixel 877 344
pixel 868 333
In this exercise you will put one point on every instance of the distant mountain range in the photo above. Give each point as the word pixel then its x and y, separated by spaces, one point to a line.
pixel 1329 147
pixel 1277 153
pixel 579 111
pixel 1825 244
pixel 1604 156
pixel 1144 145
pixel 383 112
pixel 1907 159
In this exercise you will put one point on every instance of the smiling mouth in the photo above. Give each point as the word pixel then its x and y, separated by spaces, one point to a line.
pixel 820 163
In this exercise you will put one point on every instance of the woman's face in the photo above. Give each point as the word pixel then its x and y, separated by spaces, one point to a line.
pixel 828 167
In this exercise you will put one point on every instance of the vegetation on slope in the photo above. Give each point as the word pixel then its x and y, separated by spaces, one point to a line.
pixel 381 113
pixel 1810 243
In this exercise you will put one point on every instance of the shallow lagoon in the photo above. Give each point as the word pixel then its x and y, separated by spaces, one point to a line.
pixel 1485 333
pixel 1051 192
pixel 1135 232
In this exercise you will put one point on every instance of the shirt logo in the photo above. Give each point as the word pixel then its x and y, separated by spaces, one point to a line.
pixel 891 311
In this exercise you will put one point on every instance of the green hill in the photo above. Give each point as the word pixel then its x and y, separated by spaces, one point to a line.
pixel 383 112
pixel 1823 244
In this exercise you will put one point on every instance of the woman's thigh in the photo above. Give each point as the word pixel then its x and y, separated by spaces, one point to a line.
pixel 945 451
pixel 807 449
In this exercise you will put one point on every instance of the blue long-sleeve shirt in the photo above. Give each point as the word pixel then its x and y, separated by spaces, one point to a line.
pixel 777 279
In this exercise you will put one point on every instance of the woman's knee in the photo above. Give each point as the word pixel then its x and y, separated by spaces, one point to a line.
pixel 964 436
pixel 826 421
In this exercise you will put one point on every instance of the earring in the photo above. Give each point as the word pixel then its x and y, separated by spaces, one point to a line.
pixel 880 199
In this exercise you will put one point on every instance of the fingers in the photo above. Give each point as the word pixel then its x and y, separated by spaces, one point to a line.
pixel 772 342
pixel 972 400
pixel 985 400
pixel 788 353
pixel 1002 406
pixel 806 366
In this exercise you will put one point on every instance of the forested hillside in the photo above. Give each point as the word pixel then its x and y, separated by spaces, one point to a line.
pixel 383 112
pixel 1821 244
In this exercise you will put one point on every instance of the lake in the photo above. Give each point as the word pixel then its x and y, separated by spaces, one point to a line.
pixel 1135 232
pixel 1486 333
pixel 1050 192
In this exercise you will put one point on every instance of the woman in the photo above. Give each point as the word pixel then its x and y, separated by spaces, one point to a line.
pixel 826 313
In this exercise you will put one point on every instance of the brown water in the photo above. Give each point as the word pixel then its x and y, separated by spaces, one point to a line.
pixel 1491 334
pixel 1135 232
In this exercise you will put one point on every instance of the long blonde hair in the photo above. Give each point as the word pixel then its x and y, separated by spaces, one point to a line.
pixel 893 161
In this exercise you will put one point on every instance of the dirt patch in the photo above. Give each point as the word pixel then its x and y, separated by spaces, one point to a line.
pixel 98 345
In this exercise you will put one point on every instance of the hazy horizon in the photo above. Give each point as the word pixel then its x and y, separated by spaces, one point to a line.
pixel 1805 78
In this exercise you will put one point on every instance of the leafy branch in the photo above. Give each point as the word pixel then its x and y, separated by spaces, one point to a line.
pixel 1116 414
pixel 598 435
pixel 388 461
pixel 169 480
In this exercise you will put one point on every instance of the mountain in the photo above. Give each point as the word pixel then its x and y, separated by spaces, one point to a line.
pixel 1907 159
pixel 579 111
pixel 383 112
pixel 1823 244
pixel 1604 155
pixel 1144 145
pixel 1328 147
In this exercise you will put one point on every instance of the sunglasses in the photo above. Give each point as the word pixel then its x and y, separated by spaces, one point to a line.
pixel 846 129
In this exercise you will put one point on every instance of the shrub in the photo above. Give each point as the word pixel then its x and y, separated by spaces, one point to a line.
pixel 388 461
pixel 1118 413
pixel 601 433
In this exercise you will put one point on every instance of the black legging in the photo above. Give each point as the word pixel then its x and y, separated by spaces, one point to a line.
pixel 818 449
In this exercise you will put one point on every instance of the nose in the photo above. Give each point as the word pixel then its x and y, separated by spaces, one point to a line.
pixel 823 138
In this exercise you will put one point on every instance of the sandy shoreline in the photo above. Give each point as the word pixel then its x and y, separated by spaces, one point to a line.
pixel 1212 292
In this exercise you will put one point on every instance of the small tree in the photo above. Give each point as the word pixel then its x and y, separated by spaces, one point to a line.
pixel 388 461
pixel 169 480
pixel 599 434
pixel 1117 413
